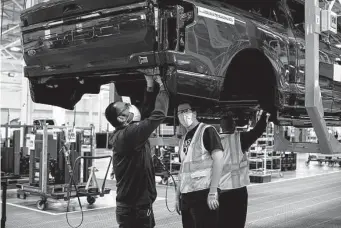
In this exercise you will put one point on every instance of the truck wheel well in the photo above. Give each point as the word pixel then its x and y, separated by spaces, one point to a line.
pixel 250 75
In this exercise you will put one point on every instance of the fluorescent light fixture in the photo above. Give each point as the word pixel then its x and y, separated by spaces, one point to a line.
pixel 15 49
pixel 338 45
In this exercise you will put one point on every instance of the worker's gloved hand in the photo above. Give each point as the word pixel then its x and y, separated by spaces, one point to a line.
pixel 158 80
pixel 150 81
pixel 213 201
pixel 177 203
pixel 261 114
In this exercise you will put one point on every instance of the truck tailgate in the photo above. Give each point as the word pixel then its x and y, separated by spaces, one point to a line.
pixel 55 9
pixel 108 39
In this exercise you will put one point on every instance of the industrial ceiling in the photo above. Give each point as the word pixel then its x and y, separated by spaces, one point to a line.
pixel 10 45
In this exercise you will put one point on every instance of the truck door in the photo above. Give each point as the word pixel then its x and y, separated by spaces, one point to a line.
pixel 297 21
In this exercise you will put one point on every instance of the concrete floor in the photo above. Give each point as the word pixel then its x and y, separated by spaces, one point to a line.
pixel 307 197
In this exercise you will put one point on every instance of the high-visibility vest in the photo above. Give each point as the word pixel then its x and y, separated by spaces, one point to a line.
pixel 236 166
pixel 196 167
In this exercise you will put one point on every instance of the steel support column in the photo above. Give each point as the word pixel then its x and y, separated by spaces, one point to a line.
pixel 100 98
pixel 313 101
pixel 26 104
pixel 111 93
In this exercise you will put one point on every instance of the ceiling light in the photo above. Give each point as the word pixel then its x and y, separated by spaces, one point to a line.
pixel 15 49
pixel 338 45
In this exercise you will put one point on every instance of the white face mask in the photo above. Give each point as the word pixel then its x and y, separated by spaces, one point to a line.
pixel 186 119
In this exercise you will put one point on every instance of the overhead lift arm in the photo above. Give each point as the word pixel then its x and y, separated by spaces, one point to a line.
pixel 313 100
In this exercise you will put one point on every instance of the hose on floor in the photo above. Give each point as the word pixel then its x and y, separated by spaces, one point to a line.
pixel 169 173
pixel 71 181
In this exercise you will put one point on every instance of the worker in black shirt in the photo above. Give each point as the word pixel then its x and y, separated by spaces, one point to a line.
pixel 132 160
pixel 233 198
pixel 201 154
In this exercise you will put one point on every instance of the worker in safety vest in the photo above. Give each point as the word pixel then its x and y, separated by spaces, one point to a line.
pixel 201 155
pixel 233 198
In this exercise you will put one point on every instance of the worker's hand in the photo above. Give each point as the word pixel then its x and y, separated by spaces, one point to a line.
pixel 158 80
pixel 261 113
pixel 213 201
pixel 177 204
pixel 150 81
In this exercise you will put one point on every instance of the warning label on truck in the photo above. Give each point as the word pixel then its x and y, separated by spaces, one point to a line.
pixel 215 15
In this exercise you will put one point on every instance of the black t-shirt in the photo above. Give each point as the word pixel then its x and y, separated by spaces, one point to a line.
pixel 211 139
pixel 211 142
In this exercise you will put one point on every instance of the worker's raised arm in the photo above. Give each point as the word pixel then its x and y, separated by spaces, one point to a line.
pixel 248 138
pixel 141 131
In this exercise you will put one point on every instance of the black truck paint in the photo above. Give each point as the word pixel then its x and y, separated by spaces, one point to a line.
pixel 216 54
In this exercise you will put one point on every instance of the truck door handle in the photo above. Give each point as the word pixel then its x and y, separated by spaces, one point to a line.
pixel 71 8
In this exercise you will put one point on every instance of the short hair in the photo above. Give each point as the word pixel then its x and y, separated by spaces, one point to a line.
pixel 227 122
pixel 111 115
pixel 187 102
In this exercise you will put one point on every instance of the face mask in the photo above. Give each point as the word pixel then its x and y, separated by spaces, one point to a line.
pixel 187 119
pixel 130 118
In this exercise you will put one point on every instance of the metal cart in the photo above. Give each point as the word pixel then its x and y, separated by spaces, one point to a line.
pixel 263 156
pixel 331 160
pixel 171 167
pixel 64 191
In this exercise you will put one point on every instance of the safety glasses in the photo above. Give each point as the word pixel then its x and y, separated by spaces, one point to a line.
pixel 126 107
pixel 184 111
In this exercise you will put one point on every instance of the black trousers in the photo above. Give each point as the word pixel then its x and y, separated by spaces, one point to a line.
pixel 233 208
pixel 195 212
pixel 135 217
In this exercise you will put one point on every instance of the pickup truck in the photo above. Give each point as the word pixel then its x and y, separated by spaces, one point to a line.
pixel 220 55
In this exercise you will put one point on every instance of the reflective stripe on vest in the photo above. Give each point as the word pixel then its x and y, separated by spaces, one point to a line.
pixel 196 166
pixel 236 166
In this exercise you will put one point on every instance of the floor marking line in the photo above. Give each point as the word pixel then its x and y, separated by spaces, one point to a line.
pixel 284 205
pixel 85 210
pixel 303 192
pixel 31 209
pixel 294 210
pixel 295 178
pixel 308 215
pixel 325 221
pixel 100 208
pixel 273 189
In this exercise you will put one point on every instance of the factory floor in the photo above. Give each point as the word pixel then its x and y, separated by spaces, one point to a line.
pixel 307 197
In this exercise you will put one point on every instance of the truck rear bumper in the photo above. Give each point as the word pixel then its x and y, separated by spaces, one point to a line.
pixel 112 67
